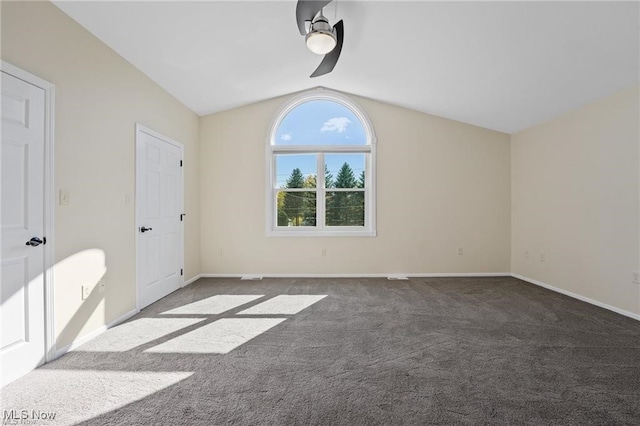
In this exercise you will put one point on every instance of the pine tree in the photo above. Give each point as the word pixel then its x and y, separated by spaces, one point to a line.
pixel 345 178
pixel 294 201
pixel 358 216
pixel 309 214
pixel 296 179
pixel 340 208
pixel 328 178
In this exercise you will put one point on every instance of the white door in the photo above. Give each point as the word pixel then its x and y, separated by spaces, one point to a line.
pixel 159 210
pixel 22 263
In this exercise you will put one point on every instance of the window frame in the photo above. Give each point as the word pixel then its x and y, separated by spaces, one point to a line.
pixel 369 149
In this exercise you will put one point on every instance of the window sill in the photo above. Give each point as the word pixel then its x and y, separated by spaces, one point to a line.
pixel 327 233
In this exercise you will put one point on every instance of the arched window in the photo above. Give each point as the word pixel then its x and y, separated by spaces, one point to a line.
pixel 321 134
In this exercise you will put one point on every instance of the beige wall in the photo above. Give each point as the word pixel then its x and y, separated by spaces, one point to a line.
pixel 441 185
pixel 99 98
pixel 575 199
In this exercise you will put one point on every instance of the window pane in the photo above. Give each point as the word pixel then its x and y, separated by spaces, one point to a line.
pixel 296 208
pixel 320 122
pixel 344 208
pixel 344 170
pixel 296 171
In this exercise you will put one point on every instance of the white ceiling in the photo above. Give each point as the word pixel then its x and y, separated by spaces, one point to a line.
pixel 500 65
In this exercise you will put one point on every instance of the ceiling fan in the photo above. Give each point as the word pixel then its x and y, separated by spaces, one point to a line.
pixel 320 37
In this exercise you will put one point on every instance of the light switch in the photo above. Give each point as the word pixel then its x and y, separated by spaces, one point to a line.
pixel 65 197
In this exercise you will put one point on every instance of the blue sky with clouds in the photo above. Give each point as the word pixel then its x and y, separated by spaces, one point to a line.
pixel 319 123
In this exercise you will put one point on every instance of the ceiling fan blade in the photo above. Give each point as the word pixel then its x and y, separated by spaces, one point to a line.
pixel 331 59
pixel 306 10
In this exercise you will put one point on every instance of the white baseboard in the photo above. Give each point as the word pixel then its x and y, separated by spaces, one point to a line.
pixel 95 333
pixel 191 280
pixel 380 275
pixel 578 296
pixel 436 275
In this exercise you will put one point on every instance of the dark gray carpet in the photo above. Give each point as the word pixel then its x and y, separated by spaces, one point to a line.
pixel 423 351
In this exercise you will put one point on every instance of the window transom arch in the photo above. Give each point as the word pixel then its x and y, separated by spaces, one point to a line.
pixel 321 133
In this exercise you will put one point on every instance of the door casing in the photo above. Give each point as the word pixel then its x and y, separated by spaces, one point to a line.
pixel 142 129
pixel 49 197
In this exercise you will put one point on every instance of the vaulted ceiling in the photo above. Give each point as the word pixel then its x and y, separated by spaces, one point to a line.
pixel 500 65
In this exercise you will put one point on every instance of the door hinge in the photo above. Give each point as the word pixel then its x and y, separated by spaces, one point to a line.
pixel 180 163
pixel 181 271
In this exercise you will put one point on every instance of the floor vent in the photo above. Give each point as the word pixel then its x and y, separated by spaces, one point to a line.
pixel 251 277
pixel 397 277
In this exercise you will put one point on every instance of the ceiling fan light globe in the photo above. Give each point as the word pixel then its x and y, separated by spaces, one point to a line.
pixel 321 42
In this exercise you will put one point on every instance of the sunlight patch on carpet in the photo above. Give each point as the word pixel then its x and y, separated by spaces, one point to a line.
pixel 283 305
pixel 86 393
pixel 135 333
pixel 214 305
pixel 219 337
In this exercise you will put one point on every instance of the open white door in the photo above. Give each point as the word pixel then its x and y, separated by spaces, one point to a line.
pixel 22 293
pixel 159 201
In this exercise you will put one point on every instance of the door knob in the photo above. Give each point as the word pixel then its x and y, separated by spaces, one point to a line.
pixel 143 229
pixel 35 242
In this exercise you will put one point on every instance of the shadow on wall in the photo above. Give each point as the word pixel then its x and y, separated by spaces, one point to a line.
pixel 81 270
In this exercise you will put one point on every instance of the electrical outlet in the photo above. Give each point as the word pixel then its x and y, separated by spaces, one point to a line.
pixel 460 251
pixel 635 277
pixel 323 252
pixel 86 291
pixel 542 257
pixel 102 286
pixel 526 254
